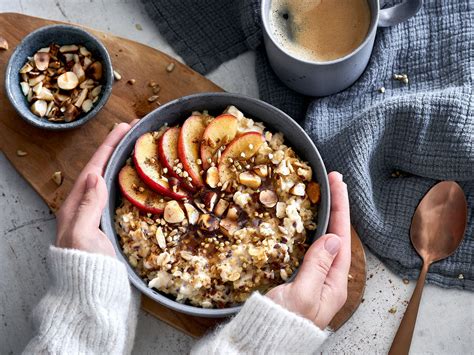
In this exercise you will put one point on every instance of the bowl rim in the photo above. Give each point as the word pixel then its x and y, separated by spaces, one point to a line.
pixel 157 296
pixel 40 122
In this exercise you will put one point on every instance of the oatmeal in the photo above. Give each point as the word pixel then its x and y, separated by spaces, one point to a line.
pixel 222 211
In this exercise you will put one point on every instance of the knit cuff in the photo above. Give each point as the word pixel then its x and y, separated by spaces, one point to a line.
pixel 270 328
pixel 94 278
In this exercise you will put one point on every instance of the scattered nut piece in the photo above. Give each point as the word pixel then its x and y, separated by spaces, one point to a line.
pixel 170 67
pixel 208 223
pixel 261 170
pixel 25 88
pixel 314 192
pixel 21 153
pixel 249 179
pixel 156 89
pixel 57 177
pixel 173 212
pixel 461 277
pixel 212 177
pixel 3 43
pixel 209 200
pixel 381 90
pixel 117 75
pixel 153 98
pixel 268 198
pixel 406 281
pixel 281 210
pixel 131 81
pixel 152 84
pixel 233 213
pixel 228 226
pixel 392 310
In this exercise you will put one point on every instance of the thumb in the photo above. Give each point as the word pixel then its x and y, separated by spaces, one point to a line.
pixel 92 202
pixel 317 262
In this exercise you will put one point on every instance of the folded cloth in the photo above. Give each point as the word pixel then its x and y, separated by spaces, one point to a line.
pixel 423 129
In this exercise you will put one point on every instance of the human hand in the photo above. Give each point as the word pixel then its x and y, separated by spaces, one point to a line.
pixel 78 219
pixel 319 290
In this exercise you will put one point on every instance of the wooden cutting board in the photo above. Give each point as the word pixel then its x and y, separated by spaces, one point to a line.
pixel 70 150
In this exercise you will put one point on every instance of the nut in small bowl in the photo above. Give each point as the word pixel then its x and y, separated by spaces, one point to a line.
pixel 59 77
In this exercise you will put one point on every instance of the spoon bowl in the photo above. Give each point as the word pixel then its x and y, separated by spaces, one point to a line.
pixel 436 231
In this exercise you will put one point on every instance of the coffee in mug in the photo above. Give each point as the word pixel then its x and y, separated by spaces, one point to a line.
pixel 320 30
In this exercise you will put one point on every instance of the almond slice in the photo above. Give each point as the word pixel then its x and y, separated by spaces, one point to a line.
pixel 173 212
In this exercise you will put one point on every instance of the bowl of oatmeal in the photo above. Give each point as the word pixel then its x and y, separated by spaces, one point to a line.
pixel 214 196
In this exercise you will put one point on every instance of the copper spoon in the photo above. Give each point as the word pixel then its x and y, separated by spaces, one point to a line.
pixel 437 229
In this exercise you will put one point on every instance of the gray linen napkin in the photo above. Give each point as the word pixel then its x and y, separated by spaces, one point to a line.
pixel 424 129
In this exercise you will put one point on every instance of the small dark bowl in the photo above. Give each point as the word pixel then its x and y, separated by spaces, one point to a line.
pixel 176 112
pixel 43 37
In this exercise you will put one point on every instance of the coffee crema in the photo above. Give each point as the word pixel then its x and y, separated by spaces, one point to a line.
pixel 320 30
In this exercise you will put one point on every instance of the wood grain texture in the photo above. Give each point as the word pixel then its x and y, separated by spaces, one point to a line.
pixel 70 150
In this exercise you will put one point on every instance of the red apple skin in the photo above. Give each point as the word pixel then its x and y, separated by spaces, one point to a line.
pixel 189 144
pixel 147 201
pixel 146 148
pixel 168 153
pixel 223 129
pixel 234 150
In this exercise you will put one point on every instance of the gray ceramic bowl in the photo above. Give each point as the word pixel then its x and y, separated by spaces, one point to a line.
pixel 43 37
pixel 176 112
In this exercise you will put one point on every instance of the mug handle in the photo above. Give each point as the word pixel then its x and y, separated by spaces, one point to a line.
pixel 399 13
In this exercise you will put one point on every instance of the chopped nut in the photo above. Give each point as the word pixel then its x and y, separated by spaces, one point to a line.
pixel 281 209
pixel 283 274
pixel 156 89
pixel 461 277
pixel 210 199
pixel 233 213
pixel 298 189
pixel 70 113
pixel 3 43
pixel 57 177
pixel 69 48
pixel 84 52
pixel 87 105
pixel 268 198
pixel 392 310
pixel 152 84
pixel 39 108
pixel 249 179
pixel 382 90
pixel 173 212
pixel 117 75
pixel 406 281
pixel 95 71
pixel 96 91
pixel 68 81
pixel 314 192
pixel 212 177
pixel 80 99
pixel 41 60
pixel 44 94
pixel 261 170
pixel 160 238
pixel 80 73
pixel 192 212
pixel 36 80
pixel 25 88
pixel 21 153
pixel 228 226
pixel 208 223
pixel 26 68
pixel 170 67
pixel 131 81
pixel 221 207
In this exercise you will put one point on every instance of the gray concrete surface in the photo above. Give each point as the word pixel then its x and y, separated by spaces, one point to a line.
pixel 445 324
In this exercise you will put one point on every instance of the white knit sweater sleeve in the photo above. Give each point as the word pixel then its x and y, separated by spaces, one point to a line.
pixel 89 309
pixel 86 308
pixel 263 327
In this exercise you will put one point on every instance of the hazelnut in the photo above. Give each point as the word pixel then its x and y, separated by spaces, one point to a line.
pixel 41 60
pixel 95 71
pixel 173 212
pixel 221 207
pixel 68 81
pixel 249 179
pixel 208 223
pixel 210 199
pixel 268 198
pixel 261 170
pixel 298 189
pixel 314 192
pixel 192 212
pixel 212 177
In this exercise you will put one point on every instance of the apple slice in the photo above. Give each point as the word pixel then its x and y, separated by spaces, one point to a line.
pixel 139 195
pixel 219 132
pixel 145 158
pixel 168 154
pixel 189 143
pixel 241 148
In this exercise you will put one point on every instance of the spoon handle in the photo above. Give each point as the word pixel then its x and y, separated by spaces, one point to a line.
pixel 402 341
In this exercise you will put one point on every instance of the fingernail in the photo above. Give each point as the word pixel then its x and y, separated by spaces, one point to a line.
pixel 339 176
pixel 332 245
pixel 91 181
